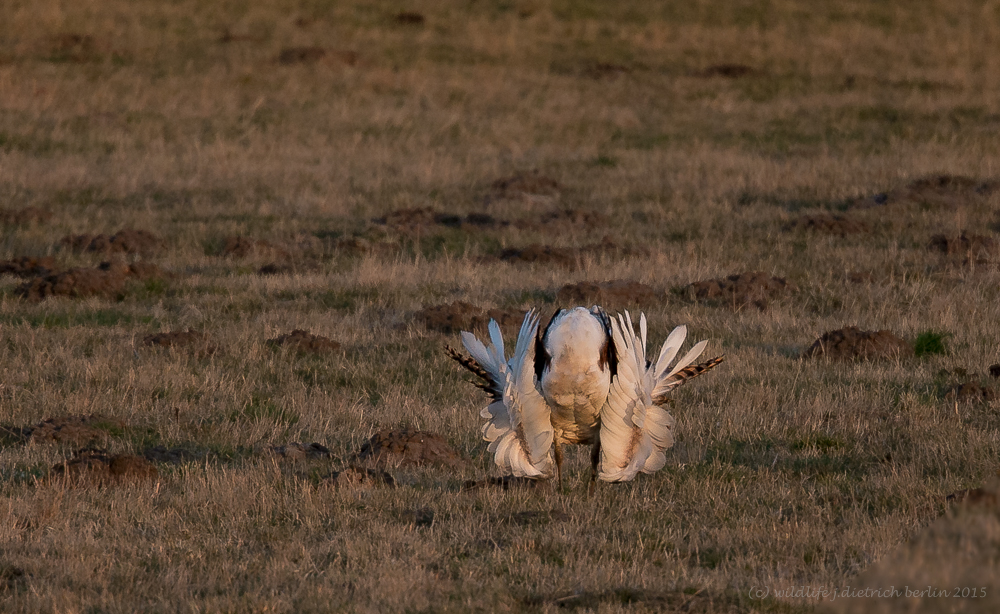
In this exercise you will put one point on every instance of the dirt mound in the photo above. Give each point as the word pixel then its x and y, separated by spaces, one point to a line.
pixel 851 342
pixel 726 71
pixel 108 279
pixel 826 223
pixel 458 316
pixel 410 221
pixel 971 392
pixel 964 244
pixel 359 477
pixel 300 55
pixel 938 191
pixel 125 241
pixel 560 220
pixel 409 18
pixel 28 266
pixel 360 246
pixel 529 186
pixel 504 483
pixel 569 257
pixel 615 294
pixel 73 430
pixel 298 452
pixel 753 288
pixel 28 215
pixel 92 466
pixel 190 339
pixel 244 247
pixel 305 342
pixel 406 447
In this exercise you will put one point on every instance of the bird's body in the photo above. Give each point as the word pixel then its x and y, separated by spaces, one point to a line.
pixel 584 380
pixel 575 376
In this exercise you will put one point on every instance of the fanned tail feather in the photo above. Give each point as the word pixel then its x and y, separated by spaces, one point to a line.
pixel 684 375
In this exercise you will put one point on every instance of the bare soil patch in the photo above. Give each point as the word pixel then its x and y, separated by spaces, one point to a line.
pixel 305 342
pixel 298 452
pixel 727 71
pixel 937 191
pixel 73 430
pixel 531 186
pixel 458 316
pixel 361 246
pixel 96 467
pixel 569 257
pixel 971 392
pixel 409 18
pixel 853 343
pixel 192 340
pixel 607 70
pixel 300 55
pixel 564 219
pixel 754 288
pixel 826 223
pixel 125 241
pixel 76 47
pixel 964 244
pixel 28 266
pixel 419 219
pixel 108 279
pixel 617 294
pixel 27 215
pixel 407 447
pixel 245 247
pixel 359 477
pixel 506 482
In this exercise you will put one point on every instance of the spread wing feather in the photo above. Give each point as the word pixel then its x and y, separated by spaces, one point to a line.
pixel 635 430
pixel 518 423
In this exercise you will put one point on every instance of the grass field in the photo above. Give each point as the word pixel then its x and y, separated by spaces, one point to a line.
pixel 689 141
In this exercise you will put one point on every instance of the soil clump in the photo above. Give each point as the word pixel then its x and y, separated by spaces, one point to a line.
pixel 359 477
pixel 27 215
pixel 27 267
pixel 300 452
pixel 617 294
pixel 190 339
pixel 93 466
pixel 407 447
pixel 73 430
pixel 461 316
pixel 825 223
pixel 125 241
pixel 754 288
pixel 938 191
pixel 853 343
pixel 305 342
pixel 108 279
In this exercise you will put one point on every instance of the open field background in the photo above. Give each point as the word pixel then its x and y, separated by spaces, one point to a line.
pixel 687 140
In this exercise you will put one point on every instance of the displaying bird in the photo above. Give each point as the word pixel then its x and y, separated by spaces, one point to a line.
pixel 584 380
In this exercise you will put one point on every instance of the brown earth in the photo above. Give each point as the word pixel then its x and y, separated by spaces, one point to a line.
pixel 726 71
pixel 108 279
pixel 92 466
pixel 851 342
pixel 939 191
pixel 28 266
pixel 300 55
pixel 409 18
pixel 569 257
pixel 525 186
pixel 606 70
pixel 359 477
pixel 827 223
pixel 73 430
pixel 305 342
pixel 754 288
pixel 27 215
pixel 617 294
pixel 244 247
pixel 458 316
pixel 504 483
pixel 964 244
pixel 190 339
pixel 559 220
pixel 360 246
pixel 418 219
pixel 407 447
pixel 297 452
pixel 125 241
pixel 174 456
pixel 971 392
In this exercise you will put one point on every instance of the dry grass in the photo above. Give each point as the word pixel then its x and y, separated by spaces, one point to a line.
pixel 298 123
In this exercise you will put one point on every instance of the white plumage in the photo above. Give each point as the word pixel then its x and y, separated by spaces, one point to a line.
pixel 585 380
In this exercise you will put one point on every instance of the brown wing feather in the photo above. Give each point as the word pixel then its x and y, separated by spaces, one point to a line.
pixel 687 373
pixel 491 387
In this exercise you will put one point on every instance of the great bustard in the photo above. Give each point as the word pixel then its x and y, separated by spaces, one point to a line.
pixel 584 380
